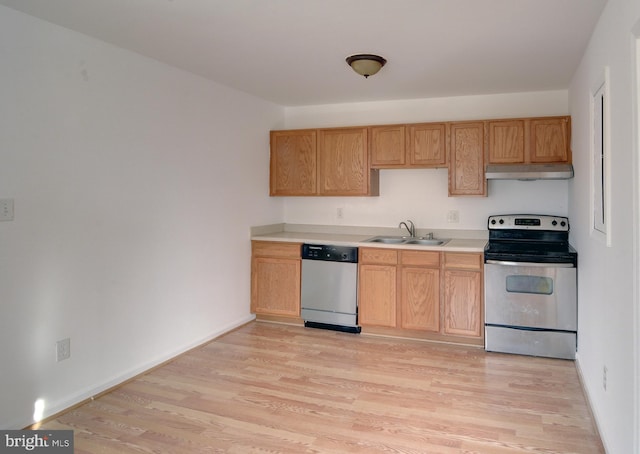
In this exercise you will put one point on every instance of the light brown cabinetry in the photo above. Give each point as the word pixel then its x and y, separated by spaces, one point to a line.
pixel 275 278
pixel 343 163
pixel 506 141
pixel 466 166
pixel 293 163
pixel 425 294
pixel 550 140
pixel 387 145
pixel 462 282
pixel 427 144
pixel 420 290
pixel 323 162
pixel 530 140
pixel 420 145
pixel 377 275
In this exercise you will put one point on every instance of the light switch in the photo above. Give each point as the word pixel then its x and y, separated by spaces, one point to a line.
pixel 6 209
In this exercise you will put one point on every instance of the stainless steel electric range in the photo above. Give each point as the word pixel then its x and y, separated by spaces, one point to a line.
pixel 530 286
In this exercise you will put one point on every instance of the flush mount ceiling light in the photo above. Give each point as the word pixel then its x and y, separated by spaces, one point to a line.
pixel 366 64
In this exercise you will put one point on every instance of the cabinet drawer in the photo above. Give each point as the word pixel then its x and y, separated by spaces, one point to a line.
pixel 462 261
pixel 276 249
pixel 420 258
pixel 378 256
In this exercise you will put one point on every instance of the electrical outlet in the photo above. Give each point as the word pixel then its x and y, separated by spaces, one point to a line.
pixel 63 349
pixel 6 209
pixel 604 377
pixel 453 216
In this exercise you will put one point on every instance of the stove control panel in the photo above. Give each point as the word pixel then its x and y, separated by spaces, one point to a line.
pixel 528 222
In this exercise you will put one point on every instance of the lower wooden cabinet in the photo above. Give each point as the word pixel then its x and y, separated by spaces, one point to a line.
pixel 408 291
pixel 420 290
pixel 438 293
pixel 377 288
pixel 275 278
pixel 463 294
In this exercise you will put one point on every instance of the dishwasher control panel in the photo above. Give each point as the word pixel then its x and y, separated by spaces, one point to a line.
pixel 330 253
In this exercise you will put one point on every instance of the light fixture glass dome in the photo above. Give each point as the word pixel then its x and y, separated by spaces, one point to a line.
pixel 366 64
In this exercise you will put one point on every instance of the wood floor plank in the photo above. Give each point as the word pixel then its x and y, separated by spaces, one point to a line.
pixel 271 388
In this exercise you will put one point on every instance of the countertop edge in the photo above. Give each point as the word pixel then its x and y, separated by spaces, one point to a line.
pixel 352 239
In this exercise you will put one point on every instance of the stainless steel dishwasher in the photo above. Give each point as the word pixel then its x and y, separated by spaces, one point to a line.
pixel 330 287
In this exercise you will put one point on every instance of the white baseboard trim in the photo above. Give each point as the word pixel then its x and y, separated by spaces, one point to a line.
pixel 592 409
pixel 53 408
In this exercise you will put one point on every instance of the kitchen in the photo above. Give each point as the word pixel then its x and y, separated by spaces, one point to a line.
pixel 55 246
pixel 399 288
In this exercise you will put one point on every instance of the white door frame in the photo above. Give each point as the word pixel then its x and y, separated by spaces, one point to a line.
pixel 636 235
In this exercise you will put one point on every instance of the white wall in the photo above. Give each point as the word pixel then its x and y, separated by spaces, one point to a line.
pixel 135 185
pixel 421 195
pixel 606 274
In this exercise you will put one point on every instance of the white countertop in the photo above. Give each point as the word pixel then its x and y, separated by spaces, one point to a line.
pixel 350 237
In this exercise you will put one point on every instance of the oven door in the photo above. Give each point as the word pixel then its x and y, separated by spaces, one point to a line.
pixel 531 295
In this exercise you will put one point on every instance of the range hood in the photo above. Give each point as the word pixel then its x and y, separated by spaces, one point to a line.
pixel 529 172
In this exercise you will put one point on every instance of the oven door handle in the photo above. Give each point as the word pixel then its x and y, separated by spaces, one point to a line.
pixel 532 264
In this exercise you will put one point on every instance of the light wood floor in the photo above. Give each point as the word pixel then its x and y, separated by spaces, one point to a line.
pixel 268 388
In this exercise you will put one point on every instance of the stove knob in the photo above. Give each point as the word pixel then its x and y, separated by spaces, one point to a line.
pixel 493 222
pixel 501 221
pixel 554 222
pixel 563 223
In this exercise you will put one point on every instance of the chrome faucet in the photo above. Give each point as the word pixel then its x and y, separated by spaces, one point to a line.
pixel 410 228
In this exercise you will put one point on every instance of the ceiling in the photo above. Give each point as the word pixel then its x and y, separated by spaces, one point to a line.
pixel 292 52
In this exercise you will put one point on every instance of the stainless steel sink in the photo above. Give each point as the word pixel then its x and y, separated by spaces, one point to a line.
pixel 388 239
pixel 426 242
pixel 406 240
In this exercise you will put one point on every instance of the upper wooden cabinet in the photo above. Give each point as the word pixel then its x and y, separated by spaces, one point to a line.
pixel 466 165
pixel 427 144
pixel 421 145
pixel 321 162
pixel 293 162
pixel 550 140
pixel 343 163
pixel 506 142
pixel 387 145
pixel 530 140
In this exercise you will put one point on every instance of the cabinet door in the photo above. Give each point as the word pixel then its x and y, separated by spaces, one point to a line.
pixel 466 167
pixel 387 146
pixel 426 145
pixel 420 298
pixel 343 161
pixel 550 140
pixel 275 286
pixel 463 303
pixel 377 295
pixel 293 163
pixel 506 142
